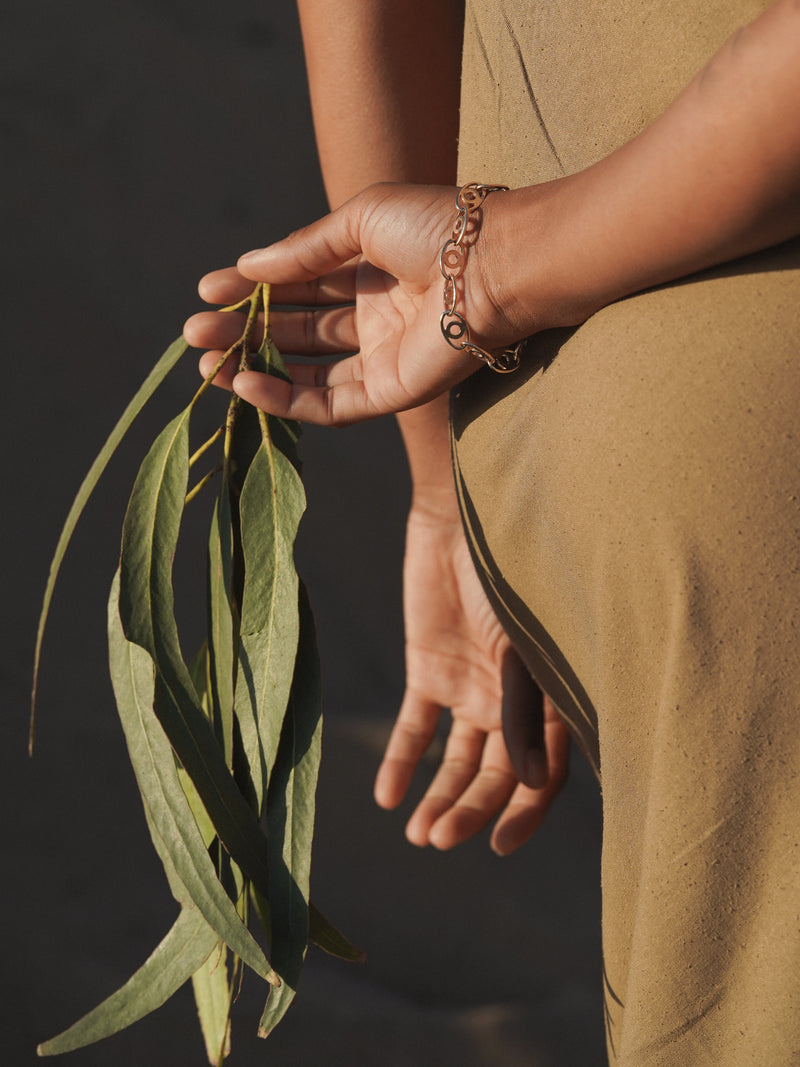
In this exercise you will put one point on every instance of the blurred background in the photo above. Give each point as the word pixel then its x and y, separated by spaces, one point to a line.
pixel 145 142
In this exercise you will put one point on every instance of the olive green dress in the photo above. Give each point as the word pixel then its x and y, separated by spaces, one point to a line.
pixel 646 556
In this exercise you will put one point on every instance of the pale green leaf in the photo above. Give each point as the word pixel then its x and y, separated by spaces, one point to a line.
pixel 285 432
pixel 200 672
pixel 212 995
pixel 146 606
pixel 176 831
pixel 271 505
pixel 187 945
pixel 143 394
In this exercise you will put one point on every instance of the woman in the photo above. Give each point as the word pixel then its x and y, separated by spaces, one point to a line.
pixel 630 496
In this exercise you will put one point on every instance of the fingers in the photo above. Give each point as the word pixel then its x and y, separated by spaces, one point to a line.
pixel 395 227
pixel 413 732
pixel 309 253
pixel 229 286
pixel 315 394
pixel 302 333
pixel 320 330
pixel 473 783
pixel 465 796
pixel 225 286
pixel 328 395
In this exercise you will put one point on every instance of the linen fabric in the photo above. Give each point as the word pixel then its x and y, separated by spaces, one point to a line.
pixel 632 500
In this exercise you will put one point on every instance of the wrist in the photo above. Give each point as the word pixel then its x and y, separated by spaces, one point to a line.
pixel 519 285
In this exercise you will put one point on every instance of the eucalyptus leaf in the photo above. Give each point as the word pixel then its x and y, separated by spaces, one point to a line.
pixel 212 995
pixel 270 508
pixel 221 623
pixel 290 821
pixel 146 607
pixel 185 948
pixel 284 432
pixel 136 691
pixel 143 394
pixel 323 934
pixel 199 669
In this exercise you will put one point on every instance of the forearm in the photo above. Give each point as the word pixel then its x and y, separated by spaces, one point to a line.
pixel 384 79
pixel 715 177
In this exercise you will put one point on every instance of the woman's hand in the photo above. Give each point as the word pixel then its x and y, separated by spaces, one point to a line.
pixel 379 254
pixel 458 656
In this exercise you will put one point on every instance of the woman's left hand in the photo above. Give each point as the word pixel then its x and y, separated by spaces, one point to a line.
pixel 369 281
pixel 506 754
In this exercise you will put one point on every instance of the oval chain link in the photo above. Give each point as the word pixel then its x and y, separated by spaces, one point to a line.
pixel 452 261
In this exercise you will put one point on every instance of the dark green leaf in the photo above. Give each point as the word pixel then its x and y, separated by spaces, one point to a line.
pixel 324 935
pixel 290 821
pixel 221 619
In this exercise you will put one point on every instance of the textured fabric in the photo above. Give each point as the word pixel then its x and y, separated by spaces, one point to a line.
pixel 646 557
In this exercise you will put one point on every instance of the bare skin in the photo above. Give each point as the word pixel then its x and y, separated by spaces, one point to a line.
pixel 714 178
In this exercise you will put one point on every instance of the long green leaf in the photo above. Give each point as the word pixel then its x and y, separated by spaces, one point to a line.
pixel 290 821
pixel 143 394
pixel 213 995
pixel 177 832
pixel 146 606
pixel 284 434
pixel 185 948
pixel 270 508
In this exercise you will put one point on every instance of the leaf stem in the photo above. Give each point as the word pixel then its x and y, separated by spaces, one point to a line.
pixel 242 346
pixel 206 445
pixel 265 289
pixel 237 307
pixel 202 484
pixel 230 422
pixel 249 326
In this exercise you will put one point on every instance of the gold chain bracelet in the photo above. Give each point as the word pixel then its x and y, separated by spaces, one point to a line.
pixel 452 261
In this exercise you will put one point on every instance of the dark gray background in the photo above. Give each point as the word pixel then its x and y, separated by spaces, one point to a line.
pixel 144 143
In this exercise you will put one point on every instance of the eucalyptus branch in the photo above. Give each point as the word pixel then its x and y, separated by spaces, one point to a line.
pixel 223 838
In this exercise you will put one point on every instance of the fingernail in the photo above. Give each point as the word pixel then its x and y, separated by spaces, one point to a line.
pixel 498 844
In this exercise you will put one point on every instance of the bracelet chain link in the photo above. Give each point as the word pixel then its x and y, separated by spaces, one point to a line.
pixel 452 261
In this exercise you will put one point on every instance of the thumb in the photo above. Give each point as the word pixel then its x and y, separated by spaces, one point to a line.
pixel 397 228
pixel 523 722
pixel 314 250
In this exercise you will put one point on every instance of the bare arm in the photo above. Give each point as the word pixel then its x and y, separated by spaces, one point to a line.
pixel 715 177
pixel 384 79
